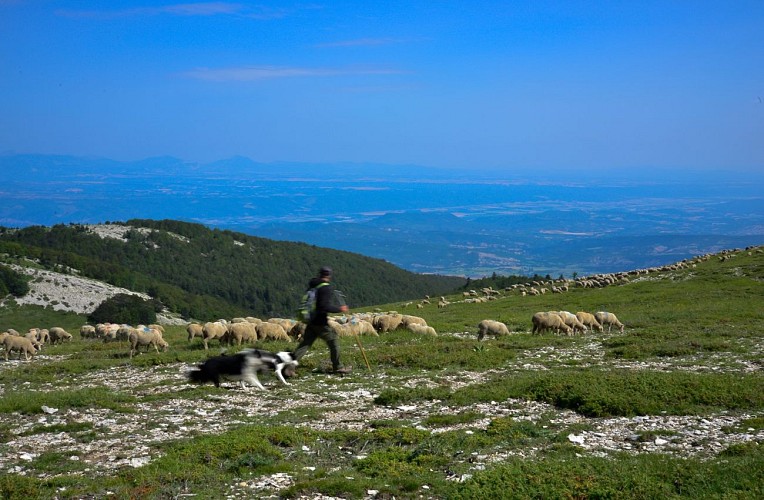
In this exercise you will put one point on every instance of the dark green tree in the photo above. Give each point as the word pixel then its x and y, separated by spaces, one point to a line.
pixel 12 282
pixel 127 309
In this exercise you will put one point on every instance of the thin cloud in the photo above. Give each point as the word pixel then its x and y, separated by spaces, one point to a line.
pixel 182 9
pixel 254 73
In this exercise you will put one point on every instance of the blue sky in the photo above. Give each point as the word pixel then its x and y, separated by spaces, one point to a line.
pixel 610 85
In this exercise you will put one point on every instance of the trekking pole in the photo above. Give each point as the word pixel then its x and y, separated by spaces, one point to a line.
pixel 341 299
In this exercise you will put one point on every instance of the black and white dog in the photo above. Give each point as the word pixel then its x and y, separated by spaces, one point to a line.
pixel 243 366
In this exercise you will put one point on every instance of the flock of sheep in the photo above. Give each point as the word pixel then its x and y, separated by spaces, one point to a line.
pixel 251 329
pixel 138 336
pixel 33 341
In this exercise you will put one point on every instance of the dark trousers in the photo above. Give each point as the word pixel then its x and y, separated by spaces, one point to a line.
pixel 323 332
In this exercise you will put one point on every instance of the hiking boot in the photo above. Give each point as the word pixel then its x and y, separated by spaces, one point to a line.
pixel 344 370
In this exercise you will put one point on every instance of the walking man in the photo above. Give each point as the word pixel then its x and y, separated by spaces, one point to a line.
pixel 318 326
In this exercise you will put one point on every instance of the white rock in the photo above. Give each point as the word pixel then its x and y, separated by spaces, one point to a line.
pixel 576 439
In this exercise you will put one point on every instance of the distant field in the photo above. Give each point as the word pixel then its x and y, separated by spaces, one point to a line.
pixel 672 407
pixel 457 222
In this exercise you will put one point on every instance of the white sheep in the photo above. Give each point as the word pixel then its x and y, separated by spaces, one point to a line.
pixel 492 327
pixel 33 335
pixel 271 331
pixel 589 320
pixel 58 334
pixel 609 319
pixel 87 331
pixel 387 322
pixel 242 331
pixel 360 327
pixel 150 337
pixel 549 320
pixel 16 343
pixel 422 329
pixel 213 330
pixel 194 330
pixel 408 320
pixel 572 321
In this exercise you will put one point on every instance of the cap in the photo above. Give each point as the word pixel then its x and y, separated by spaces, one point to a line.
pixel 325 271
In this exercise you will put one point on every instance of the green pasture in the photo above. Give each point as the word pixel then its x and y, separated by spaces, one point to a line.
pixel 693 345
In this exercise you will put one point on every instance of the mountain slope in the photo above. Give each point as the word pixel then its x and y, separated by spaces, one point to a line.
pixel 205 273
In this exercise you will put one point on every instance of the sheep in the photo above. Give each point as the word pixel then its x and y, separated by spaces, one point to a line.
pixel 194 330
pixel 408 320
pixel 156 326
pixel 87 332
pixel 241 332
pixel 360 327
pixel 548 321
pixel 15 343
pixel 609 319
pixel 152 337
pixel 297 330
pixel 286 324
pixel 272 331
pixel 58 334
pixel 124 331
pixel 572 321
pixel 213 330
pixel 589 320
pixel 422 329
pixel 387 322
pixel 493 327
pixel 33 336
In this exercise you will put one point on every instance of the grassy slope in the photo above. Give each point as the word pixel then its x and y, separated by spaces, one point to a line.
pixel 704 322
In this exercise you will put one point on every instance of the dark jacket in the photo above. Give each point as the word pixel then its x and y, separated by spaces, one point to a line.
pixel 325 303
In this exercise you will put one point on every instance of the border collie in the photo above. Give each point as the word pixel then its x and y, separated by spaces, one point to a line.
pixel 243 366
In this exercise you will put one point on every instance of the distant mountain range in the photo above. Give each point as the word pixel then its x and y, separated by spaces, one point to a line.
pixel 426 220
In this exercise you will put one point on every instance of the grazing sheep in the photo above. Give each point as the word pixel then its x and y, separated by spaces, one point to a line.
pixel 297 330
pixel 493 327
pixel 609 319
pixel 58 334
pixel 272 331
pixel 148 338
pixel 589 320
pixel 124 331
pixel 360 327
pixel 549 321
pixel 242 331
pixel 213 330
pixel 572 321
pixel 422 329
pixel 408 320
pixel 194 330
pixel 33 336
pixel 16 343
pixel 387 322
pixel 87 332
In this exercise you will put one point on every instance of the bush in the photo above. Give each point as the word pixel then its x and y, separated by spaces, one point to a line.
pixel 127 309
pixel 12 282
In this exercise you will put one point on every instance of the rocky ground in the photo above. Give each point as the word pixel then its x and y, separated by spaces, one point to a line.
pixel 129 440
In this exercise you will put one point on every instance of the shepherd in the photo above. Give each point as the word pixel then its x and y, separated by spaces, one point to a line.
pixel 318 325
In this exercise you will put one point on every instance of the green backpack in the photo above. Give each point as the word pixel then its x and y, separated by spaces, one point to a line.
pixel 308 305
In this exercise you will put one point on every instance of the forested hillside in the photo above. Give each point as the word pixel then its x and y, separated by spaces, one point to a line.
pixel 207 273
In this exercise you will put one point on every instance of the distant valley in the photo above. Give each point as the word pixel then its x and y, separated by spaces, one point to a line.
pixel 466 223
